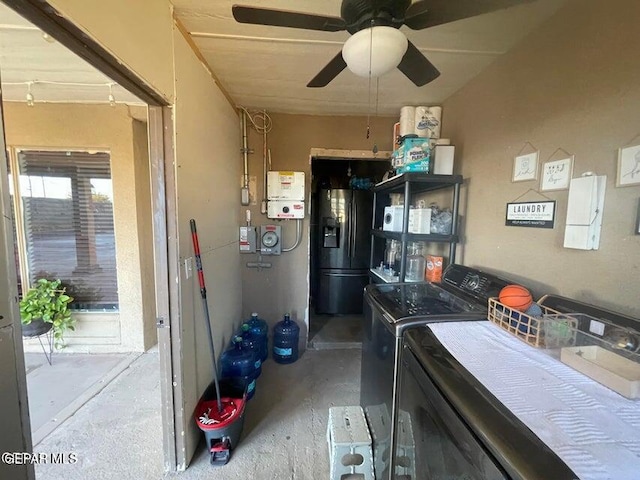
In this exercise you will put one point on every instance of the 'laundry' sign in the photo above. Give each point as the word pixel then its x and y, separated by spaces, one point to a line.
pixel 531 214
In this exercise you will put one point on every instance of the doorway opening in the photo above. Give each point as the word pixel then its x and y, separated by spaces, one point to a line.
pixel 78 182
pixel 340 242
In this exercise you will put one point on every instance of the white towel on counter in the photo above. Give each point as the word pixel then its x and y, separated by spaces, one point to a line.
pixel 593 429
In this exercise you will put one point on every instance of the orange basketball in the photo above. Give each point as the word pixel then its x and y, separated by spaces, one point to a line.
pixel 516 297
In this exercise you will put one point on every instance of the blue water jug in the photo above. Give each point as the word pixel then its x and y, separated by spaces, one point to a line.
pixel 240 363
pixel 285 340
pixel 260 329
pixel 252 342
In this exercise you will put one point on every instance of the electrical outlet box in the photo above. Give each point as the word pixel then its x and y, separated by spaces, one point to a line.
pixel 247 239
pixel 244 196
pixel 270 239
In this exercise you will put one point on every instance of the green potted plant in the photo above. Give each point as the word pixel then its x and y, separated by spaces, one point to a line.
pixel 46 307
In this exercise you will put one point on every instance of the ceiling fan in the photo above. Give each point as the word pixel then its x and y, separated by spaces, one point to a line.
pixel 376 46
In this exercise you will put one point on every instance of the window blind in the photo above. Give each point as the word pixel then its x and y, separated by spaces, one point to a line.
pixel 67 206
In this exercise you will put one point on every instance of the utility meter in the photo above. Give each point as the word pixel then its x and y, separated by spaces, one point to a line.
pixel 270 239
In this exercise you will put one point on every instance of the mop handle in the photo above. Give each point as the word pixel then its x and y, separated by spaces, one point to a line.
pixel 196 249
pixel 203 293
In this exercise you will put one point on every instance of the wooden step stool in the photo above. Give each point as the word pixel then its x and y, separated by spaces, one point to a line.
pixel 349 443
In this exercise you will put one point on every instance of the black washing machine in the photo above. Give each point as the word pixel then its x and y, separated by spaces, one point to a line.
pixel 477 403
pixel 391 310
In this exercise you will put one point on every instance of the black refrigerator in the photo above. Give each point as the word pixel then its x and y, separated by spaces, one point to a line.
pixel 343 247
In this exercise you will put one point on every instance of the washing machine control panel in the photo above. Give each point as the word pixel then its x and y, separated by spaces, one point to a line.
pixel 477 283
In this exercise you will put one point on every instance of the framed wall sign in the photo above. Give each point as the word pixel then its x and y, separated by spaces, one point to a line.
pixel 628 166
pixel 556 175
pixel 531 214
pixel 525 167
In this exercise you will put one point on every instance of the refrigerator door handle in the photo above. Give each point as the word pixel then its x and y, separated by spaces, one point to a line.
pixel 330 274
pixel 354 224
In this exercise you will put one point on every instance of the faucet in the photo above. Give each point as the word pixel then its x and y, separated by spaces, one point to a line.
pixel 623 339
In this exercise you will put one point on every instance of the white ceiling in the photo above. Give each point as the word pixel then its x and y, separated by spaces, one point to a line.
pixel 269 67
pixel 58 75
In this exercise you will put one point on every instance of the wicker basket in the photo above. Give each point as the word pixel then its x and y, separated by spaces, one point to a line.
pixel 527 328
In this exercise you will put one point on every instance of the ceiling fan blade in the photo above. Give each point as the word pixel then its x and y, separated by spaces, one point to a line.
pixel 329 72
pixel 416 67
pixel 285 18
pixel 429 13
pixel 417 14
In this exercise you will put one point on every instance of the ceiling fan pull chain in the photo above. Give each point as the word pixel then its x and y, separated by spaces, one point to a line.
pixel 369 90
pixel 375 146
pixel 369 109
pixel 377 93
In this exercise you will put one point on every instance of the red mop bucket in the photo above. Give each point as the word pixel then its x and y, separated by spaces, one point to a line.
pixel 222 429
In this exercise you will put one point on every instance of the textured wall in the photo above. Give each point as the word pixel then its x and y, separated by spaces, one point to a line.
pixel 207 177
pixel 137 33
pixel 572 84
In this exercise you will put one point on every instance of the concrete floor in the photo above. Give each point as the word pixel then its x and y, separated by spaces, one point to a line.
pixel 335 331
pixel 58 390
pixel 118 435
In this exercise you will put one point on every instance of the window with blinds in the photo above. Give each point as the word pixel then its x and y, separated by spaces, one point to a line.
pixel 67 211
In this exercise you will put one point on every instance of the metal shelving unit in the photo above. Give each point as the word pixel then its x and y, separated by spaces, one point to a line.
pixel 410 184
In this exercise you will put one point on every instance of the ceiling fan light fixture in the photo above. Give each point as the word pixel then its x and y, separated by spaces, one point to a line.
pixel 381 46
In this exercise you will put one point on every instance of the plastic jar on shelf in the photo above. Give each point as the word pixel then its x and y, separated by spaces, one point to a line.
pixel 392 256
pixel 415 262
